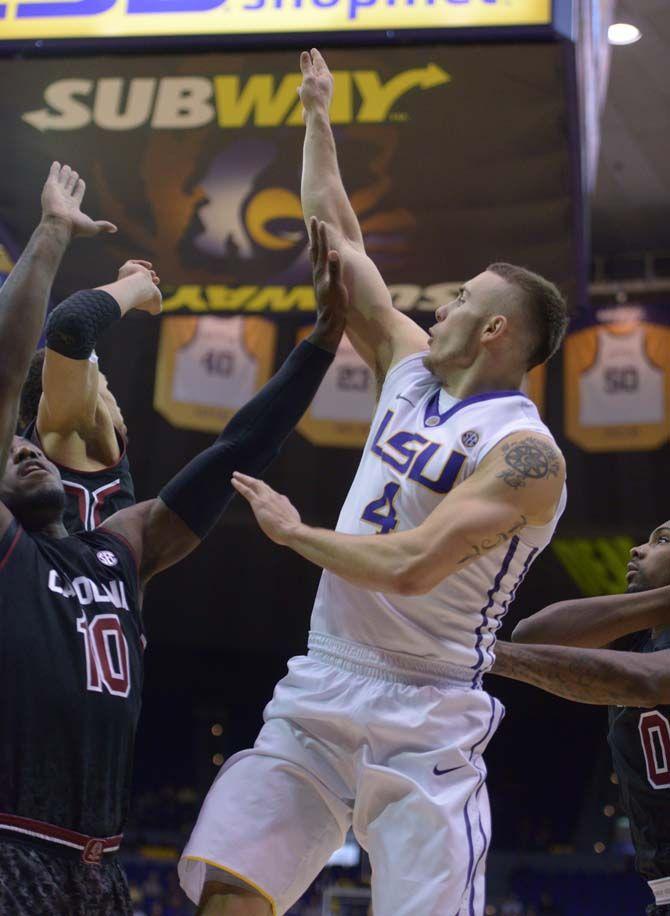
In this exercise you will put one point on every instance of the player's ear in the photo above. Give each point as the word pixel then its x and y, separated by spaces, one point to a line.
pixel 495 327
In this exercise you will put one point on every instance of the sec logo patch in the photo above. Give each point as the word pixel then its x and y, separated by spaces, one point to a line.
pixel 470 439
pixel 107 558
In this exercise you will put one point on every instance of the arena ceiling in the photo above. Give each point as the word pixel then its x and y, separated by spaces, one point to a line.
pixel 632 198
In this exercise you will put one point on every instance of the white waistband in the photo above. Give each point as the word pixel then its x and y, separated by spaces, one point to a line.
pixel 396 667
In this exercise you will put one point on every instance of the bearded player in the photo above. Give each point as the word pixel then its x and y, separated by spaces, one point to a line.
pixel 382 725
pixel 68 410
pixel 635 684
pixel 70 606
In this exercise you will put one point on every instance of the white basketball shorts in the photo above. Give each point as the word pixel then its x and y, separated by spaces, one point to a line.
pixel 357 737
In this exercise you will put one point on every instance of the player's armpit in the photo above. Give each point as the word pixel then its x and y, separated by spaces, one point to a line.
pixel 158 537
pixel 73 422
pixel 6 519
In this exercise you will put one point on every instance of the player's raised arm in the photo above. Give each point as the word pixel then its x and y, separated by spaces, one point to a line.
pixel 381 334
pixel 503 496
pixel 162 531
pixel 74 423
pixel 599 676
pixel 24 296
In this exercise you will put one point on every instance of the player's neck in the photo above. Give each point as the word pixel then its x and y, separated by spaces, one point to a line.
pixel 476 379
pixel 53 528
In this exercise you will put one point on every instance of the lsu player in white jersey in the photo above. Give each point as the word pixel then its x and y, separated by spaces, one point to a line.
pixel 382 725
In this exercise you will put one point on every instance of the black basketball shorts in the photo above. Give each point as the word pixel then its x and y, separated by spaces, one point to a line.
pixel 35 881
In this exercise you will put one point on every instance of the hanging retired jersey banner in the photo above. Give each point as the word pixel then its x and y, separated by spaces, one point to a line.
pixel 617 383
pixel 340 413
pixel 208 367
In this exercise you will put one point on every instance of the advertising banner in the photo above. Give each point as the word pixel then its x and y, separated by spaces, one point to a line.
pixel 91 19
pixel 449 165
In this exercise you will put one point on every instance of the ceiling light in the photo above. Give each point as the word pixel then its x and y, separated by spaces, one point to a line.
pixel 623 33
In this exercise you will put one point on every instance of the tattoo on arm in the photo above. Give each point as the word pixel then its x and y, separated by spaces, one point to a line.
pixel 531 459
pixel 583 675
pixel 491 543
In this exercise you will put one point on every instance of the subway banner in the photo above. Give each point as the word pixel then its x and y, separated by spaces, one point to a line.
pixel 450 164
pixel 96 19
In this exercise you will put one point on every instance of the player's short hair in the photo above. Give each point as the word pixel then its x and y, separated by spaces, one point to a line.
pixel 546 308
pixel 31 392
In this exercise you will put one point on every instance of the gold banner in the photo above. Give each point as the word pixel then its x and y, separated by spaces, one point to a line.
pixel 34 19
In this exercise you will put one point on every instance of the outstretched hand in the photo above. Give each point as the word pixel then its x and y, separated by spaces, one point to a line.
pixel 145 274
pixel 332 298
pixel 316 90
pixel 275 514
pixel 62 196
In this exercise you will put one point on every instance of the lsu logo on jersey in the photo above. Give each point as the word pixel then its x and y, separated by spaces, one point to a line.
pixel 411 454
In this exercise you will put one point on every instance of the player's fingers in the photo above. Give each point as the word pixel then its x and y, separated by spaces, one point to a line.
pixel 146 264
pixel 242 489
pixel 323 243
pixel 103 226
pixel 305 63
pixel 334 268
pixel 64 175
pixel 251 482
pixel 79 191
pixel 54 171
pixel 318 60
pixel 313 239
pixel 72 180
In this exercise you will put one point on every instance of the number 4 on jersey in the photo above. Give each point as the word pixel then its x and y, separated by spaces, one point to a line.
pixel 381 512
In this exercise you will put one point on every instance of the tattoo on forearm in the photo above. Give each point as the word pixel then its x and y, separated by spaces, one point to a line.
pixel 496 540
pixel 531 459
pixel 581 677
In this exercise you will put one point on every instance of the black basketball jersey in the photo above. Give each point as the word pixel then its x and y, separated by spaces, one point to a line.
pixel 640 744
pixel 92 496
pixel 71 646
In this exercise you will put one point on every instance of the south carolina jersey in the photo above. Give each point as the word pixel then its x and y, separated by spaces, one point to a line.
pixel 640 743
pixel 422 443
pixel 92 496
pixel 71 646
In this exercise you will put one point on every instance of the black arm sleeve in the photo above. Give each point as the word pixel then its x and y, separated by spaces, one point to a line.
pixel 201 491
pixel 74 326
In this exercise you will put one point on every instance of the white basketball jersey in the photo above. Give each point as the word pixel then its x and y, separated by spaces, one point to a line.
pixel 423 442
pixel 214 368
pixel 622 387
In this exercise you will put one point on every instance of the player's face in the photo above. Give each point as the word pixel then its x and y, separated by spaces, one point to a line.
pixel 456 337
pixel 31 487
pixel 649 565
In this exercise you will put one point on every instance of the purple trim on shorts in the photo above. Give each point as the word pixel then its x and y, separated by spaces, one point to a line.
pixel 482 854
pixel 468 827
pixel 502 572
pixel 470 846
pixel 507 604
